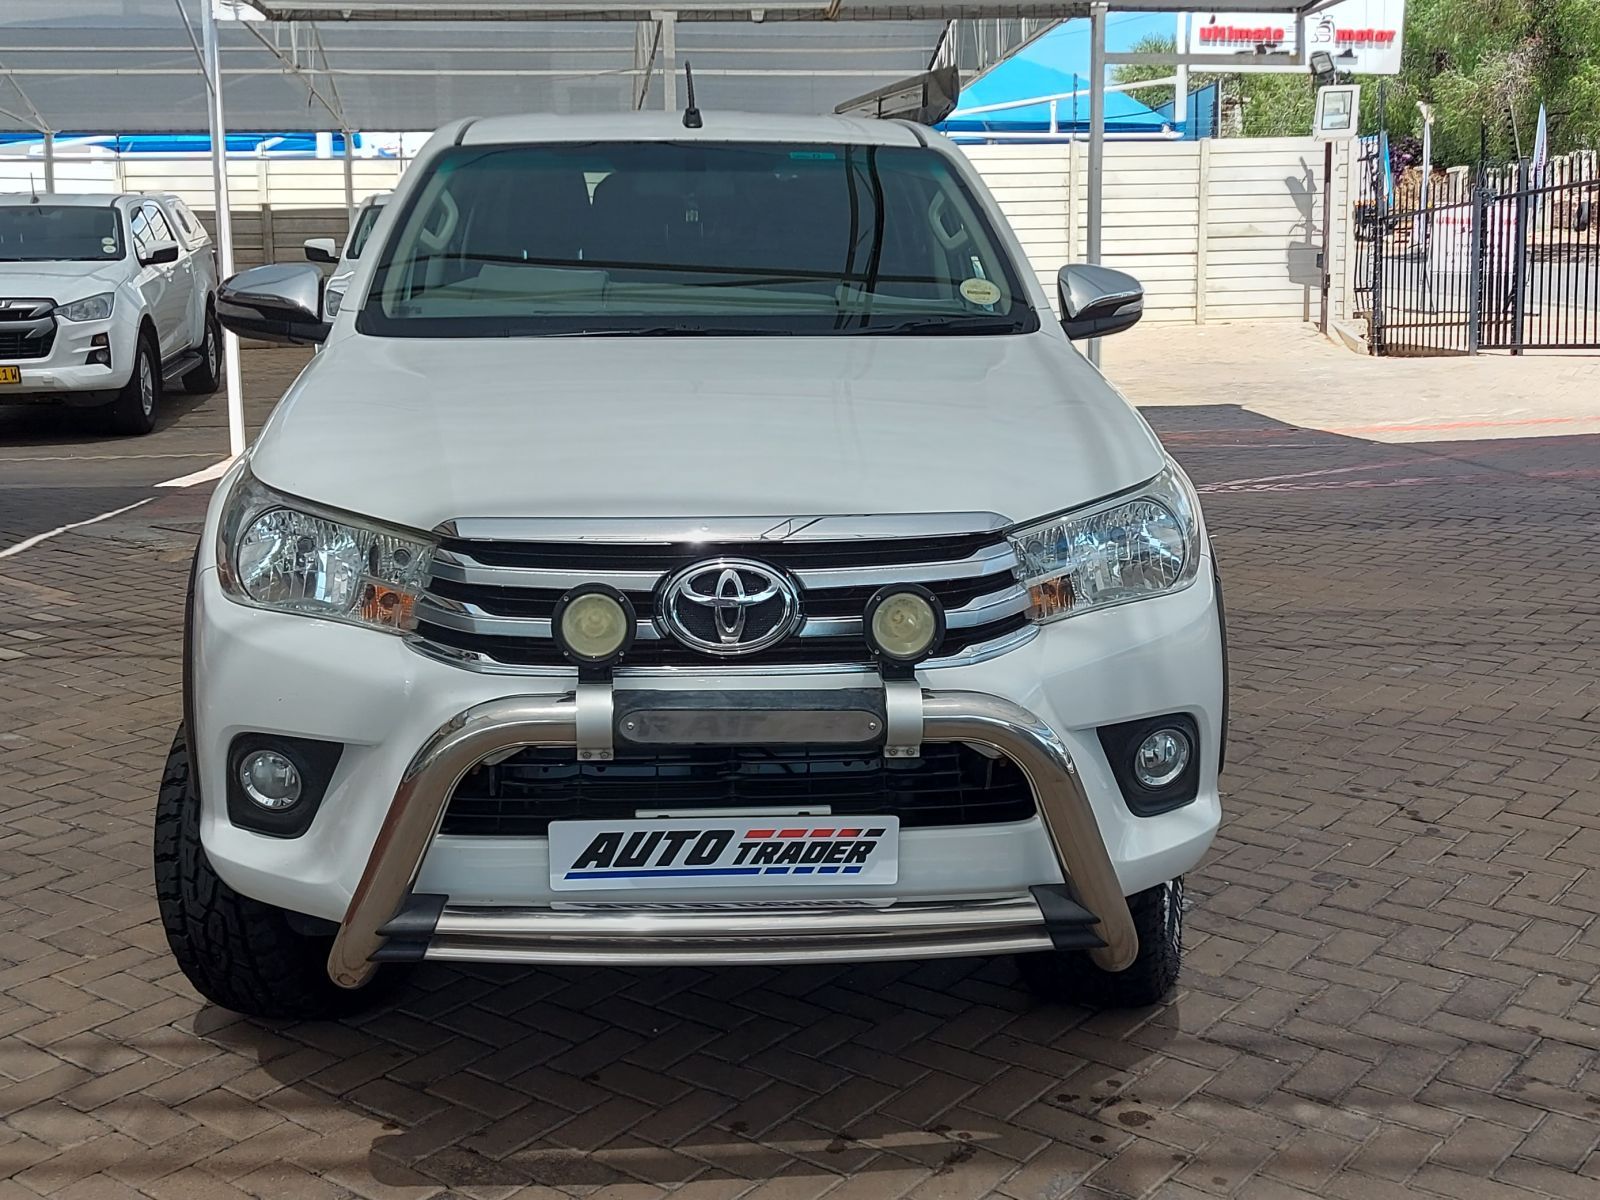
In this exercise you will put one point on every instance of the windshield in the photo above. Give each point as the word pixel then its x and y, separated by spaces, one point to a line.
pixel 365 220
pixel 57 232
pixel 666 238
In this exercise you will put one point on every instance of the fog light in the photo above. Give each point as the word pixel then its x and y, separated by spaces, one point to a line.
pixel 593 624
pixel 1161 758
pixel 903 623
pixel 270 780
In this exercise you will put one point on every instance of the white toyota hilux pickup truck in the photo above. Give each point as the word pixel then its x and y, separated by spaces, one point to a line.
pixel 103 301
pixel 692 545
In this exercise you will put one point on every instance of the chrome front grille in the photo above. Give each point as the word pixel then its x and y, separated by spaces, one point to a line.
pixel 27 330
pixel 491 595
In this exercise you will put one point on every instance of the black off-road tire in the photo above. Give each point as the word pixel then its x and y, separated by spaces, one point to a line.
pixel 133 412
pixel 206 378
pixel 1070 976
pixel 237 952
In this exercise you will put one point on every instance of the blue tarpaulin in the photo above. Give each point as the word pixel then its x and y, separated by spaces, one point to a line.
pixel 1022 78
pixel 1054 65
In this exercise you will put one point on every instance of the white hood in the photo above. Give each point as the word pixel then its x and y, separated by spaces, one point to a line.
pixel 419 431
pixel 62 282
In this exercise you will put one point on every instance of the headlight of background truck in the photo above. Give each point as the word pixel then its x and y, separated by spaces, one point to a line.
pixel 1142 544
pixel 284 554
pixel 90 308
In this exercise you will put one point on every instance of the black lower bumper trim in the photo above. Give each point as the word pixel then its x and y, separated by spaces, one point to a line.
pixel 1069 924
pixel 411 928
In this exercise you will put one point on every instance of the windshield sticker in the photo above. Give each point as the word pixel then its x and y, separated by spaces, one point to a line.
pixel 979 291
pixel 108 245
pixel 813 155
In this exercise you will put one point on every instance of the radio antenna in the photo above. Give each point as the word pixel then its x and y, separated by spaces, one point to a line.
pixel 691 114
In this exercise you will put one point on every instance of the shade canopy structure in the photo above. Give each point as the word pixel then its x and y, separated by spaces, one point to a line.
pixel 133 66
pixel 129 66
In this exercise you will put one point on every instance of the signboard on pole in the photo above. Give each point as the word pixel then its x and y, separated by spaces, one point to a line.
pixel 1338 105
pixel 1363 36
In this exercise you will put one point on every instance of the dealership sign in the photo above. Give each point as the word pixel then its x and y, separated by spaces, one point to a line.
pixel 1364 36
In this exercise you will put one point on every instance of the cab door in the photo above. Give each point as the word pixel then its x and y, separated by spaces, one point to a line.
pixel 200 264
pixel 163 284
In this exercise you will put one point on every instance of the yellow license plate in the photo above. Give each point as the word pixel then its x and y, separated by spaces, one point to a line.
pixel 10 374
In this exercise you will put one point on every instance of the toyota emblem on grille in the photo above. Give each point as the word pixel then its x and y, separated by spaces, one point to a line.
pixel 729 606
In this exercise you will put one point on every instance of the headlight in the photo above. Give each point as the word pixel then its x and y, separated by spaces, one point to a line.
pixel 279 553
pixel 1111 552
pixel 90 308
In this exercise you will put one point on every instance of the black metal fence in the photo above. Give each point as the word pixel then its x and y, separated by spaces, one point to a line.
pixel 1493 259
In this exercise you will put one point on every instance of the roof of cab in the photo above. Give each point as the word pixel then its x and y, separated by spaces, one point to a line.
pixel 718 126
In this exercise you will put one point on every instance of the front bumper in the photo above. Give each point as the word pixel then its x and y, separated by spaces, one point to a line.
pixel 962 890
pixel 908 717
pixel 65 374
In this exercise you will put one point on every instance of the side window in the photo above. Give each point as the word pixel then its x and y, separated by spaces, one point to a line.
pixel 160 231
pixel 139 229
pixel 363 231
pixel 185 221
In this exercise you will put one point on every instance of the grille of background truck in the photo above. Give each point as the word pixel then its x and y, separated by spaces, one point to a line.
pixel 26 329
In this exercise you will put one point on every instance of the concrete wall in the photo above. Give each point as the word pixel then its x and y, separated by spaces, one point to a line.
pixel 1216 230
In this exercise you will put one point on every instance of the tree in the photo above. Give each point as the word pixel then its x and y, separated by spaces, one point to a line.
pixel 1488 64
pixel 1155 97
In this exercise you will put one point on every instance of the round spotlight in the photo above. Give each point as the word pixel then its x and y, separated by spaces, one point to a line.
pixel 1161 758
pixel 593 624
pixel 270 779
pixel 903 623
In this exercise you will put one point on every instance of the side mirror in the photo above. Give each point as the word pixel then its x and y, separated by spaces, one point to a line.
pixel 1097 301
pixel 322 250
pixel 281 302
pixel 160 252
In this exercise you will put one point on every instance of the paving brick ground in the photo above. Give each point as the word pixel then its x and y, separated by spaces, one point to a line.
pixel 1391 988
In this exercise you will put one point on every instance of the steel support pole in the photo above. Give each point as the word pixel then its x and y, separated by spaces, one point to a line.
pixel 349 180
pixel 224 219
pixel 1097 142
pixel 1475 264
pixel 1180 91
pixel 1519 265
pixel 1380 247
pixel 669 59
pixel 644 50
pixel 49 161
pixel 1327 232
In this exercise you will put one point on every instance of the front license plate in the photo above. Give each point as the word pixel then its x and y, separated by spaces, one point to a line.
pixel 10 374
pixel 728 852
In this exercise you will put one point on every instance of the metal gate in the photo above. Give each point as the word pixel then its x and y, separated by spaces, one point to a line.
pixel 1493 259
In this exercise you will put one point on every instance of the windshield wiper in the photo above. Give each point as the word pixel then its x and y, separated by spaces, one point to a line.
pixel 951 325
pixel 677 331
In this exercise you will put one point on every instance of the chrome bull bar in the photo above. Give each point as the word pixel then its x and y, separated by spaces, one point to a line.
pixel 499 727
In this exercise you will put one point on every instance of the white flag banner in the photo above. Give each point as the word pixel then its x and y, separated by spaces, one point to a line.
pixel 1541 147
